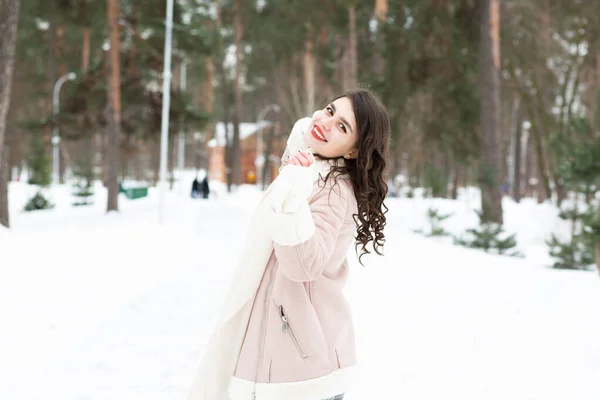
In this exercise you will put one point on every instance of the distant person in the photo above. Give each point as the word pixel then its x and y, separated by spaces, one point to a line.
pixel 286 331
pixel 205 188
pixel 195 188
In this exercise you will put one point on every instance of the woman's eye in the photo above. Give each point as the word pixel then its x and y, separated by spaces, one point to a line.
pixel 329 110
pixel 343 127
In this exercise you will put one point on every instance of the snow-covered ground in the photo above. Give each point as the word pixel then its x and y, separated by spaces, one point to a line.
pixel 96 306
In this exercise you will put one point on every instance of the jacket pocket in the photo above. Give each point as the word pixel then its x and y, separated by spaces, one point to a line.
pixel 287 328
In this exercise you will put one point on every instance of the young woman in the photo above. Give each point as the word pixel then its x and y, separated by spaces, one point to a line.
pixel 286 330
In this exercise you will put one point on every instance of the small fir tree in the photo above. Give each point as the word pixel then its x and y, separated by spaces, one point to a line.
pixel 38 202
pixel 490 237
pixel 83 193
pixel 83 190
pixel 435 219
pixel 578 252
pixel 579 166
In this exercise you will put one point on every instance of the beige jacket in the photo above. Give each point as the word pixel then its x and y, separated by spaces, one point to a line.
pixel 299 344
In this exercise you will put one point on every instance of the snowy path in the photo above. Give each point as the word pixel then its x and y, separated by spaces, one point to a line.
pixel 119 308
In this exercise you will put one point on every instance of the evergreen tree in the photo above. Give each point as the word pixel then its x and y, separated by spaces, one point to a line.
pixel 435 219
pixel 38 202
pixel 579 167
pixel 38 162
pixel 490 237
pixel 83 193
pixel 578 252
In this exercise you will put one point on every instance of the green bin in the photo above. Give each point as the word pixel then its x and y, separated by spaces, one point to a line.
pixel 133 193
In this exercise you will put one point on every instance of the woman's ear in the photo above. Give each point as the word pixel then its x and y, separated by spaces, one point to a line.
pixel 353 154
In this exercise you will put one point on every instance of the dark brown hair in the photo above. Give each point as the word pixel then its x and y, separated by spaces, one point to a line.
pixel 368 171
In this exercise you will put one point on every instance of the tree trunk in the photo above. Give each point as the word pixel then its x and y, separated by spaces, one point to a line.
pixel 236 149
pixel 226 99
pixel 548 99
pixel 309 73
pixel 350 67
pixel 267 166
pixel 4 179
pixel 9 9
pixel 529 162
pixel 381 7
pixel 280 96
pixel 596 107
pixel 114 115
pixel 518 134
pixel 489 57
pixel 85 53
pixel 446 166
pixel 597 248
pixel 325 90
pixel 60 55
pixel 208 99
pixel 596 118
pixel 543 182
pixel 52 74
pixel 88 147
pixel 455 181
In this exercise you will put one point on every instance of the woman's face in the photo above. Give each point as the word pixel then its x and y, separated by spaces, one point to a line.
pixel 333 132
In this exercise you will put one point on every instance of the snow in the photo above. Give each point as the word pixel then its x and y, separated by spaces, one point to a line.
pixel 97 306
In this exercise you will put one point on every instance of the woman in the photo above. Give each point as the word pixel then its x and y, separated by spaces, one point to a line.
pixel 286 330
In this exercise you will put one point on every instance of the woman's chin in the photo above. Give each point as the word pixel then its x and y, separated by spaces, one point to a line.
pixel 313 143
pixel 319 150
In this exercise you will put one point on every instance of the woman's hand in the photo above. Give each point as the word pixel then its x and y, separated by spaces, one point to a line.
pixel 302 159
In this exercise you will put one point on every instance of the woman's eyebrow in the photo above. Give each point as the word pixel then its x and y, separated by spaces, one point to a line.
pixel 342 118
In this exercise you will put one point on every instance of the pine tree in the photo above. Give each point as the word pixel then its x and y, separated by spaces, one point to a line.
pixel 435 219
pixel 579 167
pixel 490 237
pixel 489 53
pixel 578 252
pixel 38 202
pixel 83 190
pixel 83 193
pixel 38 162
pixel 114 114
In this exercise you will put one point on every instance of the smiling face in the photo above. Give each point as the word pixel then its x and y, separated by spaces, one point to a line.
pixel 333 132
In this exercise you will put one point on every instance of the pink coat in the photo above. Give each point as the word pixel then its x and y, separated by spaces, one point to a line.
pixel 299 342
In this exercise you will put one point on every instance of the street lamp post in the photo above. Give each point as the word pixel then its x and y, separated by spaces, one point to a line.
pixel 166 104
pixel 55 133
pixel 182 88
pixel 259 159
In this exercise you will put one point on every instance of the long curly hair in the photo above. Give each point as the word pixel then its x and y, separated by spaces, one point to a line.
pixel 368 172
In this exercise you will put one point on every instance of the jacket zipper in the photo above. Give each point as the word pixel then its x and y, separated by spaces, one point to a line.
pixel 288 328
pixel 263 324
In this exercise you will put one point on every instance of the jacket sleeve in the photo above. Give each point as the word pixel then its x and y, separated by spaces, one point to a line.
pixel 305 237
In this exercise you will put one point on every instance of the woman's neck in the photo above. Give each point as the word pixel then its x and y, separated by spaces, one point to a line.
pixel 320 157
